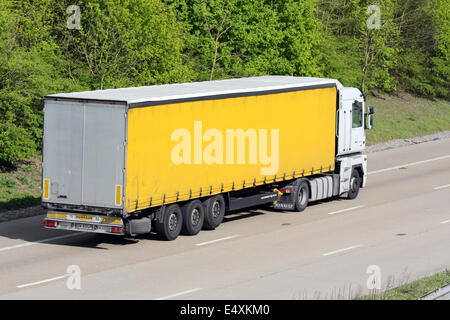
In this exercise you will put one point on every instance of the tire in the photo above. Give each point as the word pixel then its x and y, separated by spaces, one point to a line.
pixel 302 196
pixel 355 185
pixel 170 226
pixel 214 212
pixel 193 216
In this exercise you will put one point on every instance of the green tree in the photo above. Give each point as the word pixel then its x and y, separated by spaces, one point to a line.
pixel 127 43
pixel 16 143
pixel 120 43
pixel 424 42
pixel 440 62
pixel 353 49
pixel 234 38
pixel 300 37
pixel 380 45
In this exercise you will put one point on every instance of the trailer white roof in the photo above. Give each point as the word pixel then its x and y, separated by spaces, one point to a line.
pixel 181 91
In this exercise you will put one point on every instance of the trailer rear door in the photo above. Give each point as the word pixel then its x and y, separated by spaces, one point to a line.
pixel 83 158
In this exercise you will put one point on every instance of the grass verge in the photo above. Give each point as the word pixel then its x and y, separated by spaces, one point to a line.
pixel 413 290
pixel 404 116
pixel 21 187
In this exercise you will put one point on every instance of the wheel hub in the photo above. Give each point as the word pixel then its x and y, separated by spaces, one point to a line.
pixel 173 221
pixel 353 183
pixel 302 196
pixel 216 209
pixel 195 217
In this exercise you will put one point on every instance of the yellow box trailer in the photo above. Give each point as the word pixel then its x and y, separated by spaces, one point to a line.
pixel 175 157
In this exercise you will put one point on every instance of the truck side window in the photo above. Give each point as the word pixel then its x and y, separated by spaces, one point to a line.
pixel 357 115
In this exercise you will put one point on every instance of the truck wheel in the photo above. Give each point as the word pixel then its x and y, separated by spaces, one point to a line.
pixel 170 226
pixel 355 184
pixel 302 196
pixel 193 217
pixel 214 212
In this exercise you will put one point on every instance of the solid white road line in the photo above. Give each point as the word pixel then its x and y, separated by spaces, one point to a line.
pixel 344 210
pixel 441 187
pixel 341 250
pixel 179 294
pixel 42 281
pixel 410 164
pixel 217 240
pixel 446 221
pixel 40 241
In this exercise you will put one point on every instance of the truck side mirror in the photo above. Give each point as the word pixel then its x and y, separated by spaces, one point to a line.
pixel 368 123
pixel 369 118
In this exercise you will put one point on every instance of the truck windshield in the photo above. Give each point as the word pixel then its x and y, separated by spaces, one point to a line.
pixel 357 115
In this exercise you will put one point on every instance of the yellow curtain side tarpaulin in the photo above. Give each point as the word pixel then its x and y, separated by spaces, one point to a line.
pixel 306 126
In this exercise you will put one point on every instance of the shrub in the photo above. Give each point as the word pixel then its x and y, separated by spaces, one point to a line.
pixel 15 144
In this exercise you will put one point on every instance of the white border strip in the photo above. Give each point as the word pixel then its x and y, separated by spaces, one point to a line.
pixel 42 281
pixel 341 250
pixel 217 240
pixel 179 294
pixel 410 164
pixel 441 187
pixel 344 210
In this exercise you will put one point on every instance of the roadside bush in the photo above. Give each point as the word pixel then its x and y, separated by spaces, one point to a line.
pixel 15 143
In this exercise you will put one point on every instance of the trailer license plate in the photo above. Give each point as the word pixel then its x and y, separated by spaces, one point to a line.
pixel 83 226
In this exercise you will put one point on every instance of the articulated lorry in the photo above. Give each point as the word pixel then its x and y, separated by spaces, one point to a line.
pixel 176 158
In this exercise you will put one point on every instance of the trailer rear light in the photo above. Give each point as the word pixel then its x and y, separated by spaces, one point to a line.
pixel 286 190
pixel 50 223
pixel 116 230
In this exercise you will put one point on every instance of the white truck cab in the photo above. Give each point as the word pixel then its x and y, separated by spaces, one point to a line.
pixel 351 122
pixel 350 172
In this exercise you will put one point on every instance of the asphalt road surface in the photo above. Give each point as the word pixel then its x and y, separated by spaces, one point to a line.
pixel 397 230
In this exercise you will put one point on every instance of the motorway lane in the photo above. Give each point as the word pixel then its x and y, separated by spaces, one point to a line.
pixel 275 255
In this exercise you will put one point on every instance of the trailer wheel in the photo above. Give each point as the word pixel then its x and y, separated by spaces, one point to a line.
pixel 302 196
pixel 170 226
pixel 193 216
pixel 214 212
pixel 355 184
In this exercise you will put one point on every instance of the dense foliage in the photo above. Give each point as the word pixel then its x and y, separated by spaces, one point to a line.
pixel 122 43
